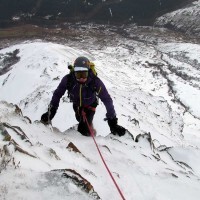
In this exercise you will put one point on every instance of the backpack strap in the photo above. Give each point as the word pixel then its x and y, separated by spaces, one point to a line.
pixel 92 83
pixel 93 87
pixel 70 83
pixel 92 67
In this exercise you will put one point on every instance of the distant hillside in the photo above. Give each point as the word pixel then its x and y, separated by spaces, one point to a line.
pixel 137 11
pixel 185 20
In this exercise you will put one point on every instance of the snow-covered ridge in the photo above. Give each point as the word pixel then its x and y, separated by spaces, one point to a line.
pixel 185 20
pixel 151 101
pixel 37 162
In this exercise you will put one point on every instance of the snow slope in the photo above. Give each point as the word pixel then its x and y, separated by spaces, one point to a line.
pixel 151 101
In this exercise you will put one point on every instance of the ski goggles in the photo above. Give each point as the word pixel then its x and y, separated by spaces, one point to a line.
pixel 81 74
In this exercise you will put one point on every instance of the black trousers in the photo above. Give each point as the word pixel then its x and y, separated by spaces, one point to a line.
pixel 89 111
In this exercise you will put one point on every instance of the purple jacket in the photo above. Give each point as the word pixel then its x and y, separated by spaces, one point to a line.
pixel 84 94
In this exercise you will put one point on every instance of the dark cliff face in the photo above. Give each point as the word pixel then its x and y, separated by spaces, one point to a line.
pixel 142 12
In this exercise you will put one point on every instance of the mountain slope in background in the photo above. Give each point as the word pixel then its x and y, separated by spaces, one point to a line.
pixel 185 19
pixel 137 11
pixel 152 99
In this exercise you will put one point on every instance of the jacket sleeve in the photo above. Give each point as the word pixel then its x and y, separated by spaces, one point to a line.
pixel 105 98
pixel 59 92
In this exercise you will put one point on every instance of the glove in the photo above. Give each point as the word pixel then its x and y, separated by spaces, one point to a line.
pixel 49 115
pixel 115 128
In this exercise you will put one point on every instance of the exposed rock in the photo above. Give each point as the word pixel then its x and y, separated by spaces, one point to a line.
pixel 72 147
pixel 19 132
pixel 146 136
pixel 5 133
pixel 54 154
pixel 80 182
pixel 7 61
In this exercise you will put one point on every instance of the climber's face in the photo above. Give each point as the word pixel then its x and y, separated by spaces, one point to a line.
pixel 81 76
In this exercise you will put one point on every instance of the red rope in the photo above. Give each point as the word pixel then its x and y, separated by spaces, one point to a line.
pixel 92 134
